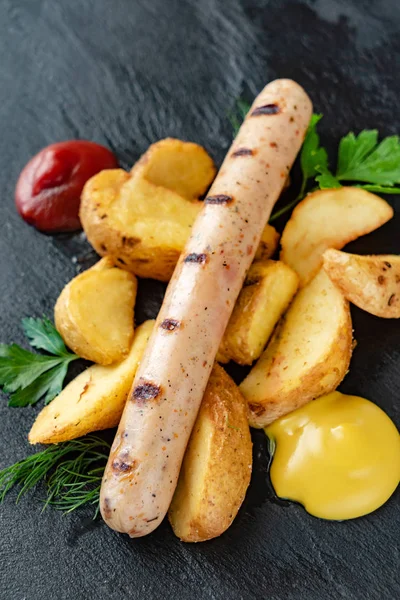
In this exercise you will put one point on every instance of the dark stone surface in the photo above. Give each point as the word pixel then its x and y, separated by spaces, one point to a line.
pixel 125 73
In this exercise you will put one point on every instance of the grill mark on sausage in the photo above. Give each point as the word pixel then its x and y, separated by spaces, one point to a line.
pixel 153 519
pixel 391 299
pixel 243 152
pixel 389 266
pixel 123 467
pixel 219 199
pixel 146 391
pixel 170 324
pixel 267 109
pixel 195 258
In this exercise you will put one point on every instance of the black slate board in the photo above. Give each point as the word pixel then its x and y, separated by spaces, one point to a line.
pixel 125 73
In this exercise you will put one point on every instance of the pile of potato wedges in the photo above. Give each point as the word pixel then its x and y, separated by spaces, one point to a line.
pixel 292 318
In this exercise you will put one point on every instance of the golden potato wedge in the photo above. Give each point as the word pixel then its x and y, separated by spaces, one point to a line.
pixel 142 224
pixel 92 401
pixel 182 167
pixel 94 313
pixel 216 469
pixel 329 219
pixel 307 357
pixel 268 244
pixel 370 282
pixel 267 292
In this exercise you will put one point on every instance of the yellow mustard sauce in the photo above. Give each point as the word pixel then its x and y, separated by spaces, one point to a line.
pixel 339 456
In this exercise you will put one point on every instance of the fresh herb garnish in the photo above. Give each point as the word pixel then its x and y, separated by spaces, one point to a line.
pixel 27 376
pixel 72 473
pixel 313 161
pixel 313 157
pixel 363 160
pixel 238 115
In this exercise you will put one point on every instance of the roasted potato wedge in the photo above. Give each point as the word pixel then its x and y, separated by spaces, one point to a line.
pixel 307 357
pixel 92 401
pixel 94 313
pixel 182 167
pixel 141 226
pixel 267 292
pixel 370 282
pixel 329 219
pixel 268 244
pixel 142 219
pixel 141 223
pixel 217 465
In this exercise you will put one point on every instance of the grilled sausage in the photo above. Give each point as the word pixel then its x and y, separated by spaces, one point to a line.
pixel 145 459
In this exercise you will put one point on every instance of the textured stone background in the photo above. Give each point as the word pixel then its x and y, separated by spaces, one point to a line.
pixel 125 73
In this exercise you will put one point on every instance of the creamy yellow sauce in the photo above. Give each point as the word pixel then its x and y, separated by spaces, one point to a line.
pixel 339 456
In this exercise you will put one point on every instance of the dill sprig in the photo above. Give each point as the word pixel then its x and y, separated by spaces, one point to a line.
pixel 71 471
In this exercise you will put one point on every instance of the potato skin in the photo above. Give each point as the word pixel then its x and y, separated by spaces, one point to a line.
pixel 172 172
pixel 370 282
pixel 267 292
pixel 307 357
pixel 94 400
pixel 143 252
pixel 108 238
pixel 329 219
pixel 88 335
pixel 216 469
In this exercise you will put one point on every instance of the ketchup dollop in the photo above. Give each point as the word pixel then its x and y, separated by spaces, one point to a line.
pixel 48 191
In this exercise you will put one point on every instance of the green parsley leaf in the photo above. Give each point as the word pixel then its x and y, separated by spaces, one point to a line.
pixel 27 376
pixel 19 368
pixel 362 158
pixel 313 161
pixel 238 115
pixel 44 336
pixel 49 384
pixel 380 189
pixel 313 157
pixel 326 180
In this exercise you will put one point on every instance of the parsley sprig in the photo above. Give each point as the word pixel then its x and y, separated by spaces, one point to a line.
pixel 313 161
pixel 71 471
pixel 28 376
pixel 366 162
pixel 237 115
pixel 361 160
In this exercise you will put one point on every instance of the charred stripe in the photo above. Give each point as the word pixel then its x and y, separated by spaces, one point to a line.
pixel 146 391
pixel 267 109
pixel 170 324
pixel 195 258
pixel 124 467
pixel 219 199
pixel 243 152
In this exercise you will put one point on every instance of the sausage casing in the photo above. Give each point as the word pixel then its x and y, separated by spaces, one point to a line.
pixel 145 459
